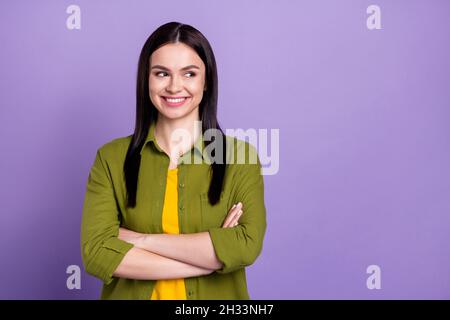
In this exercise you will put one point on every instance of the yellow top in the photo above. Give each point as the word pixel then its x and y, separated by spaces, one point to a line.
pixel 170 289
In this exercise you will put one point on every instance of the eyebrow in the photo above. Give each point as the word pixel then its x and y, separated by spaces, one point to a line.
pixel 191 66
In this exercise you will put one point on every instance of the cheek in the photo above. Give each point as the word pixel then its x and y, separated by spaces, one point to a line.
pixel 154 91
pixel 155 86
pixel 196 89
pixel 154 96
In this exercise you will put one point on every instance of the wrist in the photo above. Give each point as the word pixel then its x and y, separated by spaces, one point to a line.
pixel 142 241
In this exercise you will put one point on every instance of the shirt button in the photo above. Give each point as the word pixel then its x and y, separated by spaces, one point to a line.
pixel 182 184
pixel 190 293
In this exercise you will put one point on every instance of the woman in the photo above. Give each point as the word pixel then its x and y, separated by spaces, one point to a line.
pixel 163 215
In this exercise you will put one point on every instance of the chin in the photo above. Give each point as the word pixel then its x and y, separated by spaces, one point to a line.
pixel 173 114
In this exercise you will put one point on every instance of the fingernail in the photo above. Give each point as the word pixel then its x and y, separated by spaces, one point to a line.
pixel 234 205
pixel 240 212
pixel 239 204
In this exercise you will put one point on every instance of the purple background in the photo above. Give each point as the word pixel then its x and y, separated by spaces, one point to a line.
pixel 364 138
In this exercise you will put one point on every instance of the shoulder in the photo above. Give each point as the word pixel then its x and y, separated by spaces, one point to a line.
pixel 241 152
pixel 244 163
pixel 115 148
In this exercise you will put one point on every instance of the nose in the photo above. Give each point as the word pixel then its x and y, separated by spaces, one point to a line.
pixel 175 85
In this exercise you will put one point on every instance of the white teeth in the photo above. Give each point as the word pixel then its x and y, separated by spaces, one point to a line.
pixel 175 100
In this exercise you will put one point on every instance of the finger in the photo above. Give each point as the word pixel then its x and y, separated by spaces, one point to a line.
pixel 229 216
pixel 236 218
pixel 233 211
pixel 226 224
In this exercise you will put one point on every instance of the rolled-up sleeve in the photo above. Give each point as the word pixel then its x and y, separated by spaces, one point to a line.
pixel 239 246
pixel 101 250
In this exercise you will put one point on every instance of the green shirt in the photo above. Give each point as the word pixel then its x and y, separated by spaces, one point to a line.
pixel 104 212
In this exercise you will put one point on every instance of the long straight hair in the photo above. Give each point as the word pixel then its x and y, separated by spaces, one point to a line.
pixel 146 113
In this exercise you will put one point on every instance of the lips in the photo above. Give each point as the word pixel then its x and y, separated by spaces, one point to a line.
pixel 175 101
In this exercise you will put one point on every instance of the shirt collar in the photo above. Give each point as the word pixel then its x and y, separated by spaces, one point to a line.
pixel 198 147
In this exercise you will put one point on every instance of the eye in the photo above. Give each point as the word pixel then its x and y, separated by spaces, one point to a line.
pixel 190 74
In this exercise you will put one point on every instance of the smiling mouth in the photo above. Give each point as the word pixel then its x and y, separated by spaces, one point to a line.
pixel 175 101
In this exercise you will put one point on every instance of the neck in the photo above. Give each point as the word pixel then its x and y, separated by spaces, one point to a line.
pixel 174 141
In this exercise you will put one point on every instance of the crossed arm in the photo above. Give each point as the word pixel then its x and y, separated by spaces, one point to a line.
pixel 109 251
pixel 171 256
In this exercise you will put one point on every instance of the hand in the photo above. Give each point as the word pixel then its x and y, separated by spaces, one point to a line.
pixel 130 236
pixel 233 216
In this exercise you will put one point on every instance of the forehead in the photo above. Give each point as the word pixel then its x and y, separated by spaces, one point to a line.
pixel 176 56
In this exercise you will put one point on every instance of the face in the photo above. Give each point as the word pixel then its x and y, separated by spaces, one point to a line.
pixel 176 80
